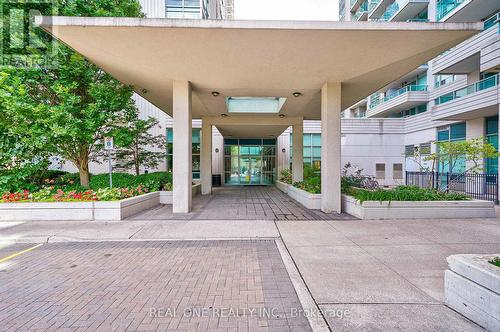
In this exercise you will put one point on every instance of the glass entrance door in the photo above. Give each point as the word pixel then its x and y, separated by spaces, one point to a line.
pixel 249 161
pixel 250 170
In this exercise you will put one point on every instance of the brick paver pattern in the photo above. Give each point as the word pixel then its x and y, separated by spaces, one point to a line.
pixel 150 286
pixel 243 203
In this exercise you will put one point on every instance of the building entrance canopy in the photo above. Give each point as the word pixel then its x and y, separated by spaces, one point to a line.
pixel 255 58
pixel 282 72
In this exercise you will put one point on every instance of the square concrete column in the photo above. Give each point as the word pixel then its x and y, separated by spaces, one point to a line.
pixel 182 156
pixel 298 151
pixel 206 157
pixel 330 147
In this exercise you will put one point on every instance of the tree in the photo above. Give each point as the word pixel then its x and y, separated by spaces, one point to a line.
pixel 472 152
pixel 71 107
pixel 138 147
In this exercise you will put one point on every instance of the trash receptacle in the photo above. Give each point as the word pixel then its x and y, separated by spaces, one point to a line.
pixel 216 180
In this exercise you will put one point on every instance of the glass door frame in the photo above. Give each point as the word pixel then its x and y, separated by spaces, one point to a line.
pixel 254 159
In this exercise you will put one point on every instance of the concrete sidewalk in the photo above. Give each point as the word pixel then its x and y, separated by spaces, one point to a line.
pixel 61 231
pixel 388 275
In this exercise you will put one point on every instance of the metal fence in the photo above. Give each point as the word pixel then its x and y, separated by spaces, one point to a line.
pixel 477 186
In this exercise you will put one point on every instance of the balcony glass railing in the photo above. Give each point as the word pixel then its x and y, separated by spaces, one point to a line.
pixel 360 11
pixel 399 92
pixel 487 83
pixel 390 11
pixel 492 21
pixel 372 4
pixel 446 6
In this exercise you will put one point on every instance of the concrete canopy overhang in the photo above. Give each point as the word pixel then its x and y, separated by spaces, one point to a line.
pixel 255 58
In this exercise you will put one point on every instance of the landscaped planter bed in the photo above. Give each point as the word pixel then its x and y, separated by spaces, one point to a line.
pixel 92 210
pixel 417 209
pixel 472 287
pixel 310 201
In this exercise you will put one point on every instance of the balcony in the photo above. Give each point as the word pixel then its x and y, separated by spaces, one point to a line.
pixel 490 53
pixel 355 4
pixel 361 13
pixel 403 99
pixel 378 9
pixel 465 10
pixel 477 99
pixel 466 57
pixel 408 9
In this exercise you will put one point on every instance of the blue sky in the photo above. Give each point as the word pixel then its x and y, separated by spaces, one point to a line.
pixel 315 10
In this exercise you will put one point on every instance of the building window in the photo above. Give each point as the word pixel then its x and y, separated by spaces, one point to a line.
pixel 183 9
pixel 425 148
pixel 455 132
pixel 196 150
pixel 492 138
pixel 440 80
pixel 409 150
pixel 380 171
pixel 312 150
pixel 397 171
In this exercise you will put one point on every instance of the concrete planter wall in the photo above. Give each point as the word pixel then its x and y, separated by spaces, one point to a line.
pixel 310 201
pixel 472 287
pixel 119 210
pixel 417 210
pixel 112 210
pixel 166 196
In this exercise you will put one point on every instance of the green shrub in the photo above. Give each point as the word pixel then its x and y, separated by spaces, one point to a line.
pixel 311 172
pixel 311 185
pixel 286 176
pixel 156 181
pixel 405 193
pixel 109 194
pixel 120 180
pixel 495 261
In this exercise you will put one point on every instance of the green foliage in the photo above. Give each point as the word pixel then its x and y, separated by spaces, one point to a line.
pixel 405 193
pixel 311 172
pixel 495 261
pixel 286 176
pixel 44 194
pixel 109 194
pixel 65 110
pixel 311 185
pixel 137 146
pixel 474 151
pixel 151 181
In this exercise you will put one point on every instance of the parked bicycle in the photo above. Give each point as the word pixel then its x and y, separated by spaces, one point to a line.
pixel 370 182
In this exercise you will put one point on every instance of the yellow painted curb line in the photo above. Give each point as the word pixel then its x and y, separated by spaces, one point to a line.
pixel 19 253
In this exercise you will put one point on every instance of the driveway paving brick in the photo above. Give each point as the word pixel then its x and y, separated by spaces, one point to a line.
pixel 150 286
pixel 243 203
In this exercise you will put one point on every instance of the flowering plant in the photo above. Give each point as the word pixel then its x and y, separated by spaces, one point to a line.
pixel 16 197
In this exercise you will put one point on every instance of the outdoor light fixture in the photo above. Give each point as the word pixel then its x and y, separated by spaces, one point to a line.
pixel 144 91
pixel 281 116
pixel 215 93
pixel 283 150
pixel 254 104
pixel 216 150
pixel 297 94
pixel 223 115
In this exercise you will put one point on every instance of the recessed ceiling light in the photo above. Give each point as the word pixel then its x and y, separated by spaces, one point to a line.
pixel 281 116
pixel 223 115
pixel 254 104
pixel 297 94
pixel 215 93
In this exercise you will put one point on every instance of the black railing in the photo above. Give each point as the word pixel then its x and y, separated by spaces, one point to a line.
pixel 477 186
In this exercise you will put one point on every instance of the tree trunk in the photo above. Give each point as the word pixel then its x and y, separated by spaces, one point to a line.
pixel 83 169
pixel 136 159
